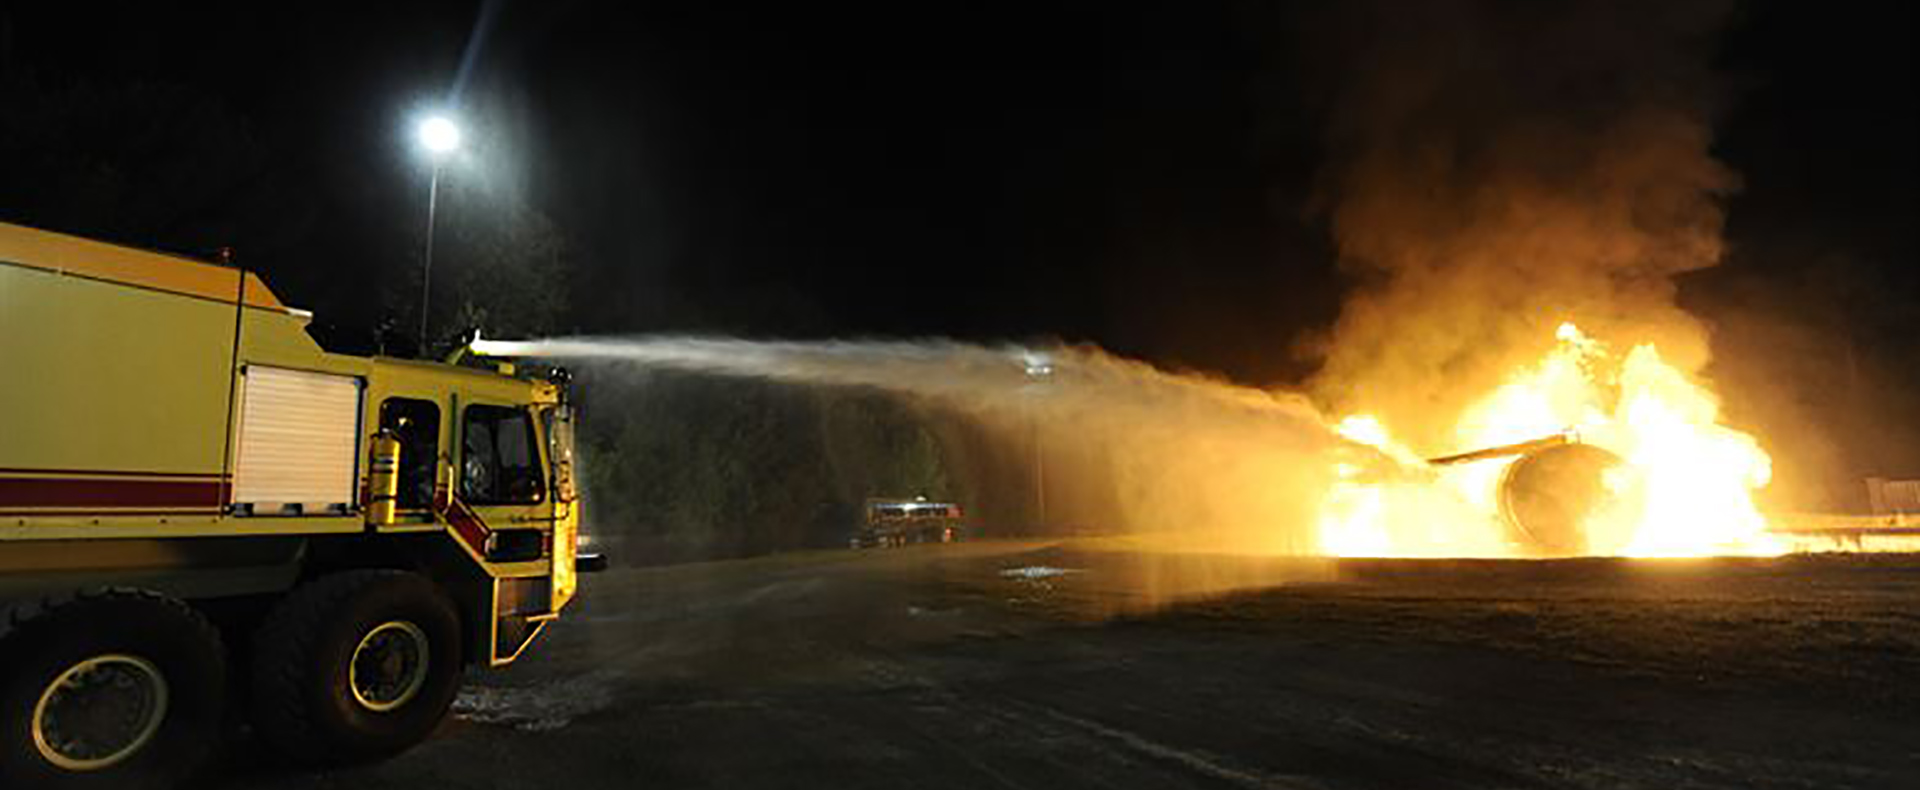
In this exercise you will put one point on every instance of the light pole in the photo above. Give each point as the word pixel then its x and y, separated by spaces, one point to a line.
pixel 440 137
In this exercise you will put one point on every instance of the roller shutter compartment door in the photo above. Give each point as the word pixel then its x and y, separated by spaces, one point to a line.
pixel 297 443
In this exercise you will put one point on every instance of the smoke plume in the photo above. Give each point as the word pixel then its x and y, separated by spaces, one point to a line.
pixel 1496 168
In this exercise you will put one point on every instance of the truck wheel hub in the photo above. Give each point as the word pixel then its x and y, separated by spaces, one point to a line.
pixel 389 666
pixel 99 712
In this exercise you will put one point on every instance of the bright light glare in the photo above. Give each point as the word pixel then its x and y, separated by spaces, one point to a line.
pixel 439 135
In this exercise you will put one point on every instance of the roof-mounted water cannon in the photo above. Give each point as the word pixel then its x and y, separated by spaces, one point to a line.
pixel 476 347
pixel 469 345
pixel 464 346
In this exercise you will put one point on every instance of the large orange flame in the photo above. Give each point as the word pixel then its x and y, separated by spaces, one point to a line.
pixel 1684 488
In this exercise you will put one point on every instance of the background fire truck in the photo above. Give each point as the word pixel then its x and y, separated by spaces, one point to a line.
pixel 897 522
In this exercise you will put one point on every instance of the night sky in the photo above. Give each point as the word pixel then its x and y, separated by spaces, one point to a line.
pixel 1143 179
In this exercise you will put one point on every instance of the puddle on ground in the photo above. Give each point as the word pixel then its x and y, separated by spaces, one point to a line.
pixel 538 708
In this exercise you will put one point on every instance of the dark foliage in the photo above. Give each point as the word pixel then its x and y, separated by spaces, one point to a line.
pixel 682 466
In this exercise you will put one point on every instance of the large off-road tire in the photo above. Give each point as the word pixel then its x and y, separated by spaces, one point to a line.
pixel 114 689
pixel 355 666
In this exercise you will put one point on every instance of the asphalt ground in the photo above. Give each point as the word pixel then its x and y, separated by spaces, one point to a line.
pixel 1112 664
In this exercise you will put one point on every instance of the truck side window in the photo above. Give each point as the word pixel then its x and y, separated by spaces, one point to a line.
pixel 499 465
pixel 416 423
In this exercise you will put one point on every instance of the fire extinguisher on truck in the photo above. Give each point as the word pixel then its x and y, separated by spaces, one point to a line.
pixel 202 512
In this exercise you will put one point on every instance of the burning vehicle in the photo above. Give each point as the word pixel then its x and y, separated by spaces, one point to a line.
pixel 1587 452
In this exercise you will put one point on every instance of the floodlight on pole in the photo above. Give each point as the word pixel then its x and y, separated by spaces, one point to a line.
pixel 440 137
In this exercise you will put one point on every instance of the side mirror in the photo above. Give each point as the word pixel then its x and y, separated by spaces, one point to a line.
pixel 560 454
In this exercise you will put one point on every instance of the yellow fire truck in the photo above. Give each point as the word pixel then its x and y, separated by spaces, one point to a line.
pixel 898 522
pixel 200 506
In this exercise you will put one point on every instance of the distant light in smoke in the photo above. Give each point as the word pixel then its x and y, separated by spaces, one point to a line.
pixel 1037 365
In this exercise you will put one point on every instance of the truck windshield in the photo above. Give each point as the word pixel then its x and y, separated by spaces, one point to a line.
pixel 499 465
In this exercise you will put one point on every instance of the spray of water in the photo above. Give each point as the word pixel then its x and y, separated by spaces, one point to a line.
pixel 1126 447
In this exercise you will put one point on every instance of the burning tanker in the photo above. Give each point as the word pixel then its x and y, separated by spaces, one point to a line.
pixel 1587 451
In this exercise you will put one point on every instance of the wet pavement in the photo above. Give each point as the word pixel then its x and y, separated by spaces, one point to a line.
pixel 1030 665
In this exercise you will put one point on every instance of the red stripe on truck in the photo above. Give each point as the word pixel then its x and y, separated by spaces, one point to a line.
pixel 466 524
pixel 68 492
